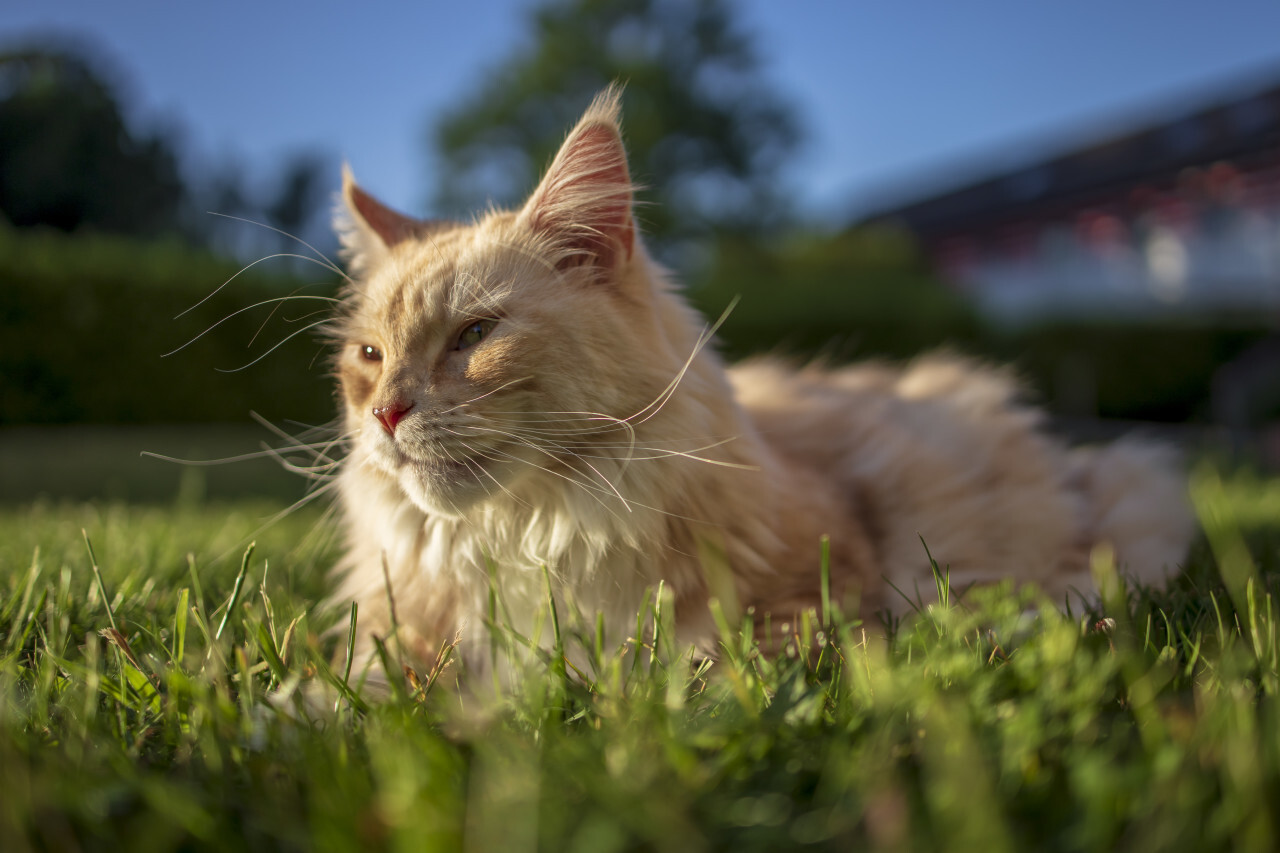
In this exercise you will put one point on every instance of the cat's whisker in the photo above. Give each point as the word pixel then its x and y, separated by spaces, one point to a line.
pixel 323 467
pixel 487 393
pixel 707 334
pixel 515 434
pixel 320 450
pixel 465 462
pixel 279 344
pixel 581 417
pixel 242 271
pixel 603 479
pixel 205 463
pixel 236 313
pixel 276 307
pixel 324 471
pixel 482 470
pixel 589 488
pixel 302 317
pixel 631 448
pixel 595 491
pixel 556 449
pixel 318 257
pixel 666 452
pixel 330 430
pixel 544 449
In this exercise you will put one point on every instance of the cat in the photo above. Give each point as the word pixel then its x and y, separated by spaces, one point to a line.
pixel 530 393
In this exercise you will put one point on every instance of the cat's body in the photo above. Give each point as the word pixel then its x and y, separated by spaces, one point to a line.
pixel 530 391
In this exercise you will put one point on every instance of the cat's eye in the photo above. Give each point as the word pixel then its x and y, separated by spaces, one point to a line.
pixel 475 333
pixel 370 353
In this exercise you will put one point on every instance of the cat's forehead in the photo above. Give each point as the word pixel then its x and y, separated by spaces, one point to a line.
pixel 465 270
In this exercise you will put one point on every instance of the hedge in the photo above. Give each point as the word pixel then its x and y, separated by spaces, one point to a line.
pixel 85 322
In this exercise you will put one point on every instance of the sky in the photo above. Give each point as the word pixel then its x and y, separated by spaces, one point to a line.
pixel 896 98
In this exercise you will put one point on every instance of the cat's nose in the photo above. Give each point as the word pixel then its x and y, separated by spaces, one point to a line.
pixel 391 414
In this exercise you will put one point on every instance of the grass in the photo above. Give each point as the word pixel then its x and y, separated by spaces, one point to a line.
pixel 138 659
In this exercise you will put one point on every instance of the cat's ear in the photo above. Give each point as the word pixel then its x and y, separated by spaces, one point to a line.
pixel 367 228
pixel 584 201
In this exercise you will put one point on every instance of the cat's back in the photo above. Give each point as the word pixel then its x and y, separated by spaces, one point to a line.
pixel 943 450
pixel 938 407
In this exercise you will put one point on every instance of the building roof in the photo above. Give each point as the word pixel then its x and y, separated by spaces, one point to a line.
pixel 1243 128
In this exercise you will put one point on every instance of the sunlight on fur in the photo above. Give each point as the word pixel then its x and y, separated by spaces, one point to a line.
pixel 530 391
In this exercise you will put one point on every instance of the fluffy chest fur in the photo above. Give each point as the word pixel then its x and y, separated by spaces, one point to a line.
pixel 533 411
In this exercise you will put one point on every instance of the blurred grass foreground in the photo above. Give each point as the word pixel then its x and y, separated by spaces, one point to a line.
pixel 140 649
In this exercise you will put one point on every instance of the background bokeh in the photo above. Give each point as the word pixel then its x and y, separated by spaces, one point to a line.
pixel 1091 194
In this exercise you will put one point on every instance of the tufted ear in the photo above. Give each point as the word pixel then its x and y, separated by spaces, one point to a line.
pixel 584 201
pixel 368 228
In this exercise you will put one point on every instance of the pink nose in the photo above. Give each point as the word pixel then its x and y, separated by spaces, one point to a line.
pixel 391 415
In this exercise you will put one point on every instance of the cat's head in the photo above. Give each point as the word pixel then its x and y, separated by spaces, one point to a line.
pixel 476 356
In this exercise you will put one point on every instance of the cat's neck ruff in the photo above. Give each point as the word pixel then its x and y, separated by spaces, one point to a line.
pixel 606 540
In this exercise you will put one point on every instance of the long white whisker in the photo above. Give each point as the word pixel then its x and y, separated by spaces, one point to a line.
pixel 282 342
pixel 598 473
pixel 241 311
pixel 481 469
pixel 581 417
pixel 589 488
pixel 665 452
pixel 487 393
pixel 276 307
pixel 226 460
pixel 707 334
pixel 320 257
pixel 594 491
pixel 242 271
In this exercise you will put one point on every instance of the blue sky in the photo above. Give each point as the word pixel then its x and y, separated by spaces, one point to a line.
pixel 894 96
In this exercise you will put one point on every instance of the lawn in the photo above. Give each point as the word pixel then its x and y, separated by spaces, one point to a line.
pixel 141 646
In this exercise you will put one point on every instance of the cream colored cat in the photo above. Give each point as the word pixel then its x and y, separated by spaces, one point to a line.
pixel 531 390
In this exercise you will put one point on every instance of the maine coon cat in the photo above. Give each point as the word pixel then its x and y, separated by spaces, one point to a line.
pixel 530 390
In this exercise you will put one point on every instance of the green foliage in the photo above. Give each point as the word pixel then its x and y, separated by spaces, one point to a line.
pixel 863 293
pixel 867 293
pixel 85 324
pixel 705 134
pixel 989 721
pixel 70 160
pixel 1156 370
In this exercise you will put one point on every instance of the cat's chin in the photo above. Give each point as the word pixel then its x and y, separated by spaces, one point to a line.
pixel 448 489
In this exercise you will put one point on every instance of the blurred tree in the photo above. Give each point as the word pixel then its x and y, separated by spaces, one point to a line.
pixel 69 159
pixel 291 196
pixel 300 197
pixel 705 135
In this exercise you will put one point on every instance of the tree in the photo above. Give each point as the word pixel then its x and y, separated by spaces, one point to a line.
pixel 705 134
pixel 70 160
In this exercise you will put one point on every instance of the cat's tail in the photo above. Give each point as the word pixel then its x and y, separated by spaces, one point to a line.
pixel 1134 495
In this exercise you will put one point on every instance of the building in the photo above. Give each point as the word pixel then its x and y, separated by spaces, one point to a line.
pixel 1181 216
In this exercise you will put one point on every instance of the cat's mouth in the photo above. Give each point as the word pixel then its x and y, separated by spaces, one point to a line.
pixel 447 478
pixel 451 484
pixel 448 468
pixel 457 467
pixel 444 465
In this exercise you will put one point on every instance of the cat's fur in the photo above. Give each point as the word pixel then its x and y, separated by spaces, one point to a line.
pixel 589 428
